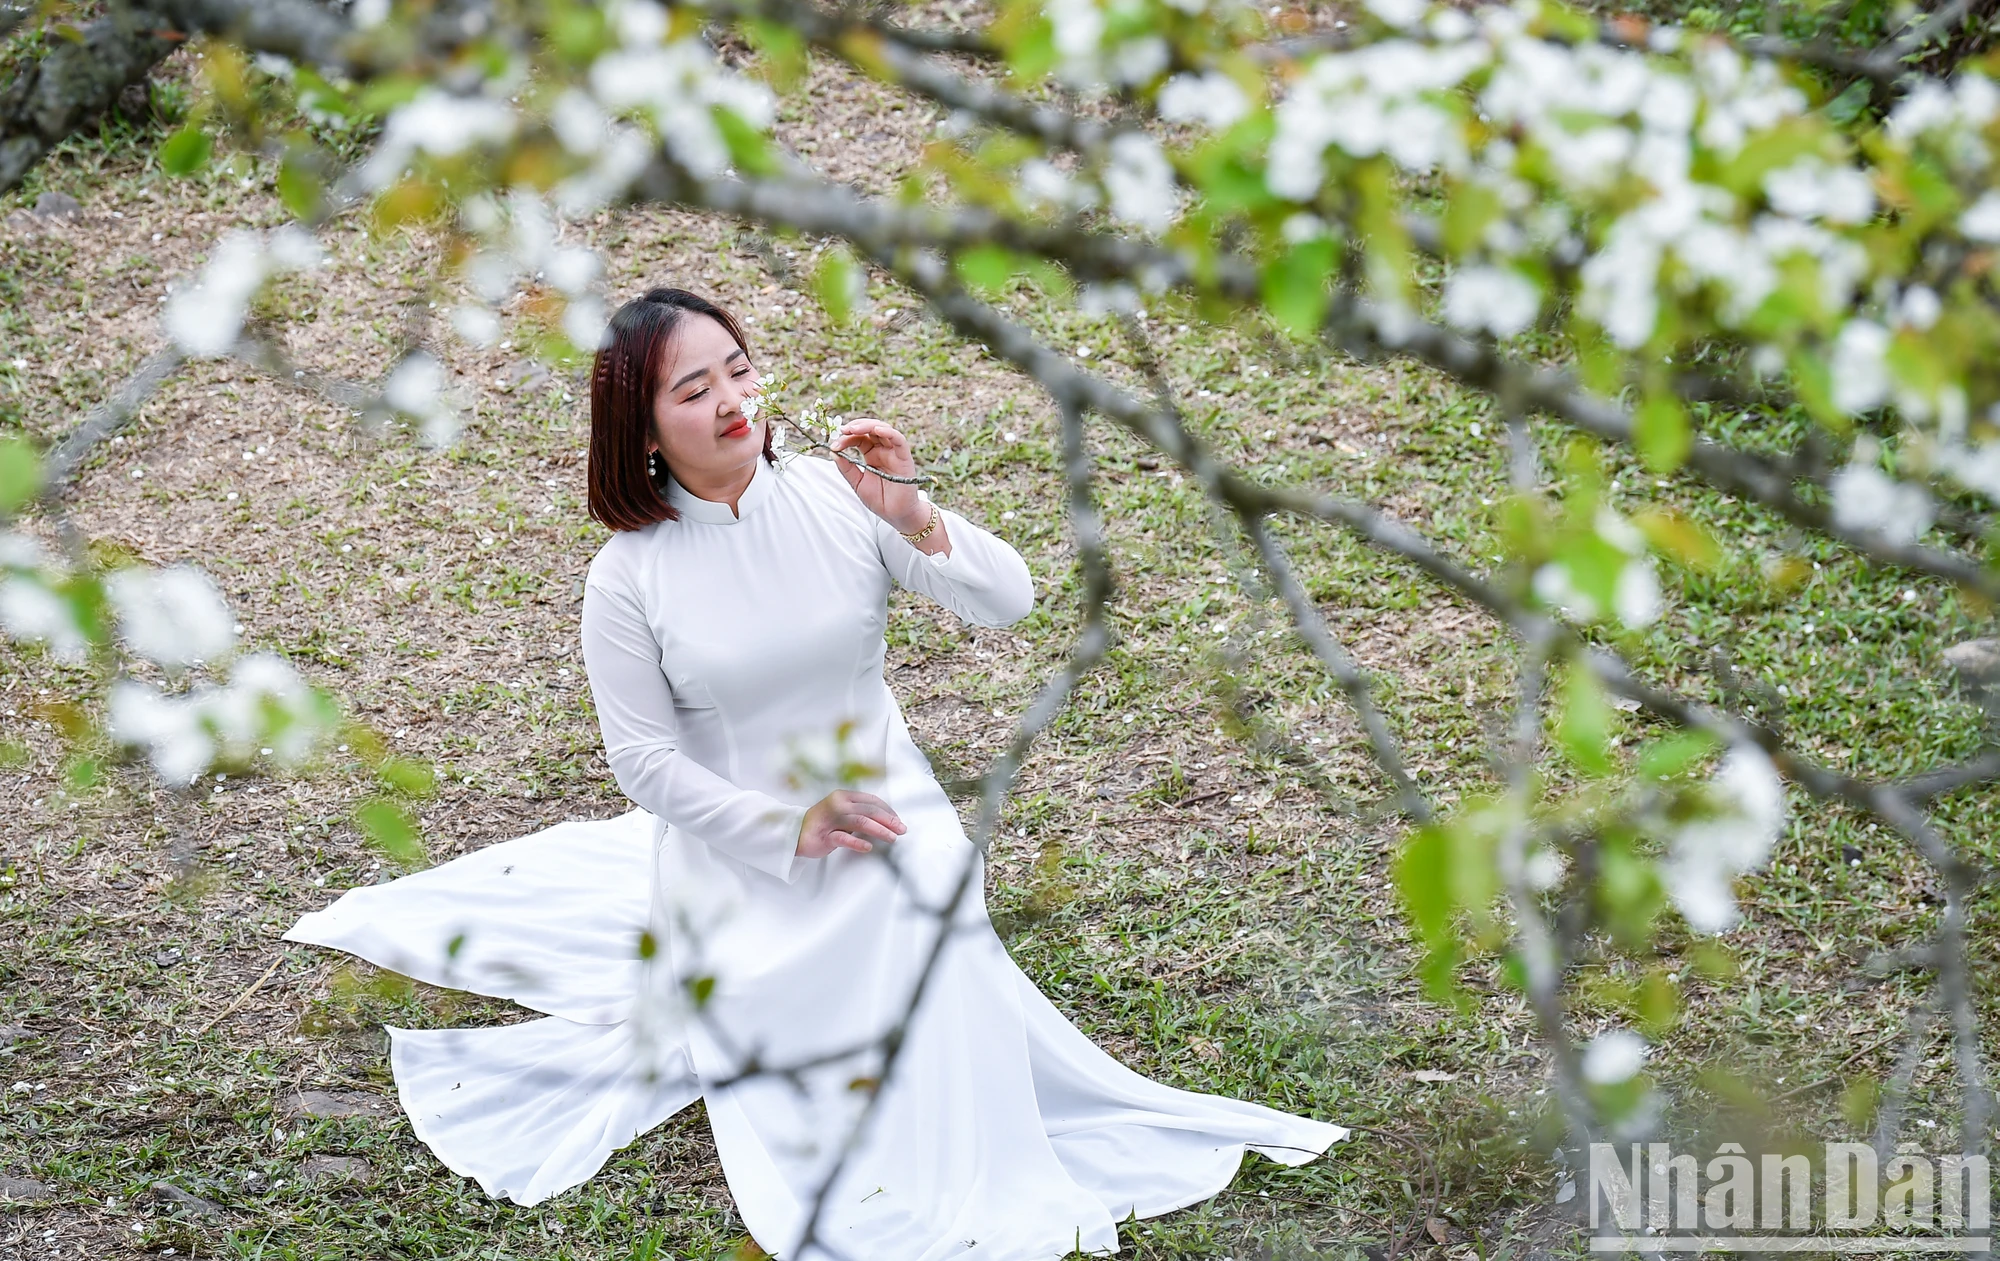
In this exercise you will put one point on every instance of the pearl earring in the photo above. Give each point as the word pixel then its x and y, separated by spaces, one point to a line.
pixel 653 463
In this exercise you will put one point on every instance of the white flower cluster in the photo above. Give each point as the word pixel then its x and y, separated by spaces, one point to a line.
pixel 1614 1056
pixel 1211 99
pixel 205 318
pixel 1139 182
pixel 175 617
pixel 1706 854
pixel 437 124
pixel 1869 501
pixel 518 241
pixel 1634 597
pixel 671 86
pixel 1085 60
pixel 676 85
pixel 810 417
pixel 264 705
pixel 415 388
pixel 31 608
pixel 1626 164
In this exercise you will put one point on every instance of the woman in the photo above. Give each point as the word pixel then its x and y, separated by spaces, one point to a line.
pixel 751 932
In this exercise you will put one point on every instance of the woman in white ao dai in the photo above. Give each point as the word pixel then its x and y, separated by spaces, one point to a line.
pixel 786 919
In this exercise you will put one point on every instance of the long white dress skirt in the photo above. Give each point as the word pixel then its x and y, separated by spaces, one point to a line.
pixel 999 1131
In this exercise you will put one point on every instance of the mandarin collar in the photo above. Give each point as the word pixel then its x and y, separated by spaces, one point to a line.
pixel 694 508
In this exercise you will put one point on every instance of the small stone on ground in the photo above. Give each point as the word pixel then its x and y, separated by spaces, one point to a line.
pixel 338 1103
pixel 22 1190
pixel 319 1168
pixel 57 206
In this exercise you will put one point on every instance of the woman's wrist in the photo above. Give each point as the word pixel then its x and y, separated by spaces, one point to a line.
pixel 927 514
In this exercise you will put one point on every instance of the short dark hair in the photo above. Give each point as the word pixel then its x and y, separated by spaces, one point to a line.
pixel 624 383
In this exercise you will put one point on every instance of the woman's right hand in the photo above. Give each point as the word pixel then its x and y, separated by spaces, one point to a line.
pixel 846 819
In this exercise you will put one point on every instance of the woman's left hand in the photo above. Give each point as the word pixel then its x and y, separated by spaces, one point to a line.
pixel 884 448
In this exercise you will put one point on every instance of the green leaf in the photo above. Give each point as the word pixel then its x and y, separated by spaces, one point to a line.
pixel 1670 755
pixel 1422 876
pixel 701 989
pixel 1859 1100
pixel 987 268
pixel 1628 890
pixel 1657 1005
pixel 1472 207
pixel 1585 727
pixel 783 49
pixel 837 282
pixel 749 148
pixel 411 778
pixel 299 184
pixel 386 93
pixel 186 151
pixel 1661 432
pixel 20 474
pixel 1295 288
pixel 1679 537
pixel 392 830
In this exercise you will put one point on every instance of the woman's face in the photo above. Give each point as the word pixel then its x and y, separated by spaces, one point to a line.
pixel 698 420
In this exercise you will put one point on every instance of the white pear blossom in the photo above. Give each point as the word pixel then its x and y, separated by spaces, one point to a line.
pixel 586 324
pixel 1398 13
pixel 1484 298
pixel 1556 587
pixel 579 123
pixel 31 612
pixel 1977 469
pixel 1139 181
pixel 1212 99
pixel 1043 184
pixel 573 269
pixel 1981 220
pixel 174 616
pixel 1613 1056
pixel 415 388
pixel 1137 61
pixel 609 175
pixel 1635 599
pixel 1077 28
pixel 204 318
pixel 169 728
pixel 19 551
pixel 639 23
pixel 1869 501
pixel 1860 366
pixel 440 124
pixel 1811 188
pixel 1919 307
pixel 1544 869
pixel 264 705
pixel 478 325
pixel 1706 854
pixel 677 86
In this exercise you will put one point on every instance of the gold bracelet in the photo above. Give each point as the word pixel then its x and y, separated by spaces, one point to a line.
pixel 924 533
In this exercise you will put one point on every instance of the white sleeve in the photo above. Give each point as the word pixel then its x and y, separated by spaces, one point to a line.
pixel 635 711
pixel 983 580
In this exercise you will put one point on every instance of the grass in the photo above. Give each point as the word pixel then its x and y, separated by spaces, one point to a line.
pixel 1193 905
